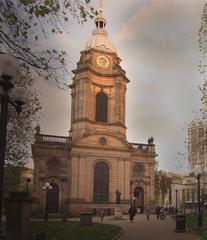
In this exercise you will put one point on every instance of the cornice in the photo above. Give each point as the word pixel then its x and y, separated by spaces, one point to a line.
pixel 145 180
pixel 85 67
pixel 117 123
pixel 113 54
pixel 55 176
pixel 95 147
pixel 102 85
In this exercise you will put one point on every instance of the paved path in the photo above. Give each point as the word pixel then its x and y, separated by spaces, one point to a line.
pixel 155 229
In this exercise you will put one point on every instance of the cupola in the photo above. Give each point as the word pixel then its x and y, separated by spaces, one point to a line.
pixel 99 39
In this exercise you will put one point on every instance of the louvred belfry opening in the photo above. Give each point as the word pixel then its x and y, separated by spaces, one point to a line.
pixel 101 107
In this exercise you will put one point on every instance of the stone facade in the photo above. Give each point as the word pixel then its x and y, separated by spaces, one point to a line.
pixel 197 147
pixel 183 189
pixel 88 167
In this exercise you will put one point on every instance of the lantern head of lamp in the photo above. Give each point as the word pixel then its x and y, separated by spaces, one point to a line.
pixel 10 69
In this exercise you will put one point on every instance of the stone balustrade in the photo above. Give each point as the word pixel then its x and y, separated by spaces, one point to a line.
pixel 143 148
pixel 51 139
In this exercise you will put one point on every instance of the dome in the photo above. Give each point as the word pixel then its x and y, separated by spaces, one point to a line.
pixel 99 39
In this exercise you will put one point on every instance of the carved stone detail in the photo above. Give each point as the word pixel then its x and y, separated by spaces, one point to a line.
pixel 53 164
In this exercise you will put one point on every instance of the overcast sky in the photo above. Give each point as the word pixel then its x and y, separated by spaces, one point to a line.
pixel 157 41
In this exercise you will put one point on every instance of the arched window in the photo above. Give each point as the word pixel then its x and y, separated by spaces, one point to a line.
pixel 101 183
pixel 101 107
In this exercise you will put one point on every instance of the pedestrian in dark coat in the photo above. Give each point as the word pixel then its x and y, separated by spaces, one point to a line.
pixel 157 212
pixel 147 214
pixel 132 213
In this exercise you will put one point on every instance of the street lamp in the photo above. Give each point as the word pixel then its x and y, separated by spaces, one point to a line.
pixel 9 94
pixel 199 216
pixel 46 188
pixel 28 180
pixel 198 171
pixel 176 201
pixel 134 200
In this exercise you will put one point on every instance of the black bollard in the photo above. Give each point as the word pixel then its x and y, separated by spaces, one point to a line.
pixel 2 236
pixel 180 223
pixel 40 236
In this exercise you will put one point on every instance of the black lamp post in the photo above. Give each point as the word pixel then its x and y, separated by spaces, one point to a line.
pixel 46 188
pixel 199 216
pixel 176 201
pixel 9 69
pixel 28 180
pixel 134 201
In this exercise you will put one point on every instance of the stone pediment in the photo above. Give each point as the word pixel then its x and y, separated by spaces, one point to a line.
pixel 102 141
pixel 141 180
pixel 52 177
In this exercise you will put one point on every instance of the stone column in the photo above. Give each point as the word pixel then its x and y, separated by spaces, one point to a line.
pixel 18 216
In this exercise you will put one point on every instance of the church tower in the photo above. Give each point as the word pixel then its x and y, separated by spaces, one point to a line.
pixel 89 169
pixel 98 132
pixel 99 87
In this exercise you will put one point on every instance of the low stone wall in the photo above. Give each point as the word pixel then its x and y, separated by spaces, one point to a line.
pixel 76 208
pixel 35 207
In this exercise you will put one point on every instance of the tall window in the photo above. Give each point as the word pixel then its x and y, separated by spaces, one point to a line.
pixel 101 107
pixel 52 199
pixel 101 183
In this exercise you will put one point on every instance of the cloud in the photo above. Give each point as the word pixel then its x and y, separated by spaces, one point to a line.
pixel 161 32
pixel 159 48
pixel 56 108
pixel 163 21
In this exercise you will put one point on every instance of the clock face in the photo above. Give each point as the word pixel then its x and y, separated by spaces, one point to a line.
pixel 102 61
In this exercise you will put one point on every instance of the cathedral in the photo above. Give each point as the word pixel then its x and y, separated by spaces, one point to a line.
pixel 95 163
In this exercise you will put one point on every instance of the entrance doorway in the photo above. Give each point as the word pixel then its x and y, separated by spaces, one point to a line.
pixel 139 198
pixel 52 199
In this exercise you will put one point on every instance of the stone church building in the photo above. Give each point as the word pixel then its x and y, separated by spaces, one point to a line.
pixel 86 168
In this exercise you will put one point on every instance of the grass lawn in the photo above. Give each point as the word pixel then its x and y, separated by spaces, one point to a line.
pixel 59 230
pixel 201 232
pixel 191 222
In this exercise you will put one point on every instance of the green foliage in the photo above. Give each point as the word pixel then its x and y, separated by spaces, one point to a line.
pixel 26 27
pixel 162 185
pixel 191 222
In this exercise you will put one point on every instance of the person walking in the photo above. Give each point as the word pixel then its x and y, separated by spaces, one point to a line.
pixel 132 213
pixel 102 214
pixel 147 214
pixel 157 212
pixel 162 213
